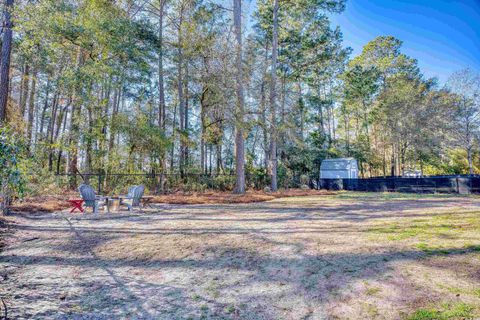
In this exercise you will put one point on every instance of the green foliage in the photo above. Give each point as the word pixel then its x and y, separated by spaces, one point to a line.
pixel 383 53
pixel 223 182
pixel 102 68
pixel 11 179
pixel 449 311
pixel 256 177
pixel 39 181
pixel 454 162
pixel 142 136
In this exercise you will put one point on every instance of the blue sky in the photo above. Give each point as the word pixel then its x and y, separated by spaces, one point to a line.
pixel 443 35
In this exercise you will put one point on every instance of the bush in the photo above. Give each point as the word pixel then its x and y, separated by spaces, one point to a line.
pixel 224 183
pixel 192 186
pixel 11 178
pixel 257 178
pixel 304 179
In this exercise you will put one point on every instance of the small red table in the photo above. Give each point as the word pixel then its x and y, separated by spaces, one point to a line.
pixel 76 204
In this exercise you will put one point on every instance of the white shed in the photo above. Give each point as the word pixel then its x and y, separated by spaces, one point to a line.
pixel 340 168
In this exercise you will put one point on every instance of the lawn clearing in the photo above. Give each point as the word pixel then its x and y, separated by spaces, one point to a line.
pixel 343 256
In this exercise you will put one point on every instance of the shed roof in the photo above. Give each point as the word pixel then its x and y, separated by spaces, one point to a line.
pixel 338 164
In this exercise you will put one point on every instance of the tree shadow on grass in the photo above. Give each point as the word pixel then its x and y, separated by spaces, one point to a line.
pixel 314 277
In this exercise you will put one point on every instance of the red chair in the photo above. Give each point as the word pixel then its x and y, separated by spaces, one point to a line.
pixel 76 204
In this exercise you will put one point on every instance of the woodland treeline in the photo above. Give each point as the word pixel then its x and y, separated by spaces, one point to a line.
pixel 192 86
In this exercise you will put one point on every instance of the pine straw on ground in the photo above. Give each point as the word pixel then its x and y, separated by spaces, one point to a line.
pixel 213 197
pixel 55 203
pixel 43 204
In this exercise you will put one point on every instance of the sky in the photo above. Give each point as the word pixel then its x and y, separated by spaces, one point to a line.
pixel 443 35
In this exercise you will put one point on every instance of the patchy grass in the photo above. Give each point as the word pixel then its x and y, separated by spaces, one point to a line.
pixel 446 312
pixel 436 232
pixel 372 291
pixel 476 292
pixel 461 291
pixel 384 196
pixel 327 256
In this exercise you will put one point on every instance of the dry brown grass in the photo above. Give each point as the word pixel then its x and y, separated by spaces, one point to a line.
pixel 211 197
pixel 340 256
pixel 54 203
pixel 43 204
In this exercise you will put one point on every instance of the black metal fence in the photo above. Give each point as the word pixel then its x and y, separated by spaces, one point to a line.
pixel 106 183
pixel 432 184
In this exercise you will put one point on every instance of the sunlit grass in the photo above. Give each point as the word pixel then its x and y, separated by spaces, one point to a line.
pixel 382 196
pixel 445 312
pixel 433 233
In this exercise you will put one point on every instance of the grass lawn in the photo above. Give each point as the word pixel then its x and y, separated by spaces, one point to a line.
pixel 333 256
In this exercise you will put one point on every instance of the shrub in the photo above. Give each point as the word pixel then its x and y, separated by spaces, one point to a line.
pixel 11 178
pixel 224 182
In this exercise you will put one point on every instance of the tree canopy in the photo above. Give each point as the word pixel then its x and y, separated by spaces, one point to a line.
pixel 192 87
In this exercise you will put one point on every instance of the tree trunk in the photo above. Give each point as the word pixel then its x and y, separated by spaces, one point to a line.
pixel 186 115
pixel 302 113
pixel 89 142
pixel 240 107
pixel 181 98
pixel 60 151
pixel 161 90
pixel 210 160
pixel 273 97
pixel 281 139
pixel 50 130
pixel 219 158
pixel 470 162
pixel 5 60
pixel 264 125
pixel 44 110
pixel 203 109
pixel 75 127
pixel 161 86
pixel 263 108
pixel 31 106
pixel 393 161
pixel 73 144
pixel 24 89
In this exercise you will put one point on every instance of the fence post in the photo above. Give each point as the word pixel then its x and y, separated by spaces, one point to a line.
pixel 458 187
